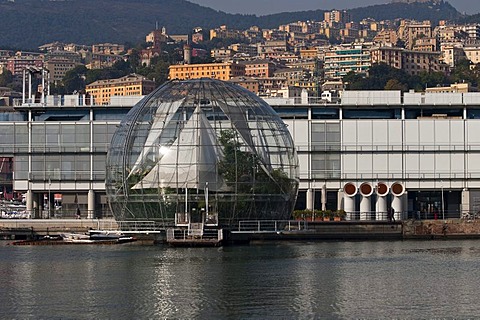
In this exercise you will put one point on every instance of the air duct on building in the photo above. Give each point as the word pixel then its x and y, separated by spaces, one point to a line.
pixel 381 207
pixel 349 192
pixel 366 190
pixel 397 203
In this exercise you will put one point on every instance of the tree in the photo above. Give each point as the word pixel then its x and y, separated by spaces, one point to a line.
pixel 394 84
pixel 102 74
pixel 463 73
pixel 384 77
pixel 354 81
pixel 124 66
pixel 6 78
pixel 433 79
pixel 74 80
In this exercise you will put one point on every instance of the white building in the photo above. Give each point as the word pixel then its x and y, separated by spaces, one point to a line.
pixel 416 152
pixel 424 148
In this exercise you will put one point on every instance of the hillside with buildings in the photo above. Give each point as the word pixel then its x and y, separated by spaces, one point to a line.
pixel 312 57
pixel 30 23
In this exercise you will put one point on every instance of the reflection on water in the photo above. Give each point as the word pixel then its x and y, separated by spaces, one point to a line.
pixel 334 280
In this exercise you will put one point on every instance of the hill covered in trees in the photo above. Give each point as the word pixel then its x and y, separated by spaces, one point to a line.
pixel 432 10
pixel 30 23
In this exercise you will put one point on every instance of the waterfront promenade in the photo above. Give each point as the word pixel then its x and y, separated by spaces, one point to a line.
pixel 258 230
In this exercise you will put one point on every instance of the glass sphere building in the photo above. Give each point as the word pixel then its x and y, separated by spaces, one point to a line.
pixel 205 148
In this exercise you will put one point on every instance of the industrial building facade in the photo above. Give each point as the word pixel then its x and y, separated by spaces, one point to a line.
pixel 416 152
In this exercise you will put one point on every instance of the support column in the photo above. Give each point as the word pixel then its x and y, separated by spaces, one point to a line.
pixel 30 87
pixel 465 202
pixel 381 209
pixel 91 204
pixel 349 191
pixel 324 197
pixel 309 203
pixel 340 204
pixel 404 214
pixel 349 203
pixel 397 205
pixel 37 205
pixel 365 205
pixel 24 86
pixel 50 205
pixel 29 203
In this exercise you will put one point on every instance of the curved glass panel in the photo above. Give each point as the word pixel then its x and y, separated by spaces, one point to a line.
pixel 201 146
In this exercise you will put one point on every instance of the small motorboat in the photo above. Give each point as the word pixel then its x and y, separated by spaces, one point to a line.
pixel 97 236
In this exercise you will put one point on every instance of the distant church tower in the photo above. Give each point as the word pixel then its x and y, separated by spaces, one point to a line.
pixel 187 54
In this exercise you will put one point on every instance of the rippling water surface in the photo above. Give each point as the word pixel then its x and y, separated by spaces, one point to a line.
pixel 329 280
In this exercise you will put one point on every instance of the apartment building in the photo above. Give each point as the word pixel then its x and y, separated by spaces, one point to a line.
pixel 293 75
pixel 309 53
pixel 386 37
pixel 243 48
pixel 410 31
pixel 221 71
pixel 453 88
pixel 416 62
pixel 221 53
pixel 337 16
pixel 259 68
pixel 224 32
pixel 58 68
pixel 100 60
pixel 132 85
pixel 17 64
pixel 295 27
pixel 472 52
pixel 249 83
pixel 63 55
pixel 108 48
pixel 452 53
pixel 6 54
pixel 425 44
pixel 412 62
pixel 391 56
pixel 472 30
pixel 342 59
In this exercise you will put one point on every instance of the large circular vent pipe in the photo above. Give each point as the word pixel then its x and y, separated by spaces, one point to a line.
pixel 398 190
pixel 381 207
pixel 366 190
pixel 349 192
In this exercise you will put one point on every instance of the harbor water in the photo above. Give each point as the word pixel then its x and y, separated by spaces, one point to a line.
pixel 287 280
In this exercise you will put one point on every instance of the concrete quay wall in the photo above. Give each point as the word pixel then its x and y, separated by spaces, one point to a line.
pixel 29 228
pixel 438 229
pixel 326 231
pixel 320 231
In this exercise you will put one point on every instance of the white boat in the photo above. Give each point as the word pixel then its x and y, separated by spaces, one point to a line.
pixel 110 237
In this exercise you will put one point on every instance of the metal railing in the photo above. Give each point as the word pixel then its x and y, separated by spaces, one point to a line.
pixel 183 234
pixel 271 225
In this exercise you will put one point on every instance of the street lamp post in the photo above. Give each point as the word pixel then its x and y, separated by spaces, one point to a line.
pixel 313 205
pixel 443 205
pixel 49 198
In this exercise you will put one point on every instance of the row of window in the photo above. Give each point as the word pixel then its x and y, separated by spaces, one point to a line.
pixel 410 113
pixel 60 167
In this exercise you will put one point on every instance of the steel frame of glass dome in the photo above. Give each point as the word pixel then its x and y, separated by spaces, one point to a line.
pixel 202 146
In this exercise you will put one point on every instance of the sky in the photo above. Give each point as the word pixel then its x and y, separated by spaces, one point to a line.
pixel 263 7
